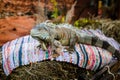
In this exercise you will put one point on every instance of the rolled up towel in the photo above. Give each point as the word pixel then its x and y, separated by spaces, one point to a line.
pixel 24 50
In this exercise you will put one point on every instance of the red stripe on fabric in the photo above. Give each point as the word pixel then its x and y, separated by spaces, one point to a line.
pixel 93 61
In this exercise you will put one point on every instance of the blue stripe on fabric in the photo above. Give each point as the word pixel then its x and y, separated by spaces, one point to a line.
pixel 46 56
pixel 77 56
pixel 20 53
pixel 99 58
pixel 96 60
pixel 85 56
pixel 14 52
pixel 3 51
pixel 28 39
pixel 82 53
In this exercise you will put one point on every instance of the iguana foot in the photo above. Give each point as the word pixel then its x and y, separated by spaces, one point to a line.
pixel 56 52
pixel 55 55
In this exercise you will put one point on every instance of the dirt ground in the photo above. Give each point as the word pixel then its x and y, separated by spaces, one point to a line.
pixel 14 27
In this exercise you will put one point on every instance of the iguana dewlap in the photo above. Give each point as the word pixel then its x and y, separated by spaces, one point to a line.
pixel 68 36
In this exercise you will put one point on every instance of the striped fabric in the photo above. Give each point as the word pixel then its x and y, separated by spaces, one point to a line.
pixel 23 51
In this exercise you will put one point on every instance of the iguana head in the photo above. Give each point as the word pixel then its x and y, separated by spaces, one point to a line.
pixel 40 32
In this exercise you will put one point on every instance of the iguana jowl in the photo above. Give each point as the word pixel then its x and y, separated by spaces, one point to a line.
pixel 48 33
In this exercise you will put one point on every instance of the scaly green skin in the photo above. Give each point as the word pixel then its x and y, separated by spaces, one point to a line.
pixel 47 33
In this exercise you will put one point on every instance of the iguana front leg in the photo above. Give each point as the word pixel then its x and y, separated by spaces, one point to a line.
pixel 43 46
pixel 57 48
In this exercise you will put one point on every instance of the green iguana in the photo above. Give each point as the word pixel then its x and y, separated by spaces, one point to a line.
pixel 67 35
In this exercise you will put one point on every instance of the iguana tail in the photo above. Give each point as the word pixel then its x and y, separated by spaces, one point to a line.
pixel 95 41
